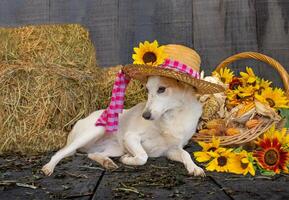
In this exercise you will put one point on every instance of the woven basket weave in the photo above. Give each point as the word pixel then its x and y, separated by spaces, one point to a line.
pixel 251 134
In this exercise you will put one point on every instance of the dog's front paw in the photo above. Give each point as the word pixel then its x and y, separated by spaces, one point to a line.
pixel 196 171
pixel 126 159
pixel 133 160
pixel 48 169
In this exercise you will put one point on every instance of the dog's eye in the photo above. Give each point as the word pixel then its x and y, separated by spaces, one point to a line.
pixel 161 90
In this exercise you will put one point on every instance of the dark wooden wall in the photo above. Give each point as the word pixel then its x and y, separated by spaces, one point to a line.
pixel 215 28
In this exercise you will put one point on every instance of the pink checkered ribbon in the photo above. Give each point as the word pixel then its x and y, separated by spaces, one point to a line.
pixel 180 67
pixel 109 117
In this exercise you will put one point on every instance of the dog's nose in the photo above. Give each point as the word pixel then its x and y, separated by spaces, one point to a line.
pixel 147 115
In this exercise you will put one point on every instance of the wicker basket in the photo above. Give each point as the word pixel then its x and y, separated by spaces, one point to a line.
pixel 251 134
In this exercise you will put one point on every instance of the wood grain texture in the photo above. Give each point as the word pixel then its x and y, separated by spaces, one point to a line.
pixel 23 12
pixel 226 28
pixel 272 31
pixel 168 21
pixel 101 18
pixel 215 28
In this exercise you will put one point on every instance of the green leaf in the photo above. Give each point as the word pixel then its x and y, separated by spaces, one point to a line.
pixel 238 150
pixel 267 173
pixel 251 158
pixel 284 112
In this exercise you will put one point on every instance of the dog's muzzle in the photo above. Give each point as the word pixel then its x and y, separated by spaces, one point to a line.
pixel 147 115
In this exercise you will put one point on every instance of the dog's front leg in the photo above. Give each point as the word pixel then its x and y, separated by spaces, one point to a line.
pixel 180 155
pixel 137 155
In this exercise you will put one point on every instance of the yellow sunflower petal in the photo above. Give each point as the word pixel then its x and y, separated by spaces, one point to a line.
pixel 212 165
pixel 205 146
pixel 216 142
pixel 244 160
pixel 155 44
pixel 136 50
pixel 251 169
pixel 202 156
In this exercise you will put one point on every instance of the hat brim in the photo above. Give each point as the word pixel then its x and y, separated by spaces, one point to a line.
pixel 141 72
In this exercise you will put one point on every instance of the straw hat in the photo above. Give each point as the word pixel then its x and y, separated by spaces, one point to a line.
pixel 173 53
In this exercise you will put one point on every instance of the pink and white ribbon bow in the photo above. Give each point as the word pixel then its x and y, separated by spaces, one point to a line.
pixel 109 117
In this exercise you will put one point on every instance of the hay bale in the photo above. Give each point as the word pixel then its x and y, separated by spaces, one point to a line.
pixel 48 81
pixel 135 92
pixel 46 45
pixel 39 106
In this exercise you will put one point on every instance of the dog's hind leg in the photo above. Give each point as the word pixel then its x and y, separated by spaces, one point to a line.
pixel 111 149
pixel 103 160
pixel 180 155
pixel 82 139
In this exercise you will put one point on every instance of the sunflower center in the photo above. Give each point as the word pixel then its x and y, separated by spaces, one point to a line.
pixel 253 83
pixel 271 102
pixel 223 79
pixel 244 165
pixel 234 85
pixel 271 157
pixel 212 149
pixel 149 57
pixel 260 90
pixel 222 161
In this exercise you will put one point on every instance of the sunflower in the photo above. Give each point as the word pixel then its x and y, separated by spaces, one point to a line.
pixel 235 83
pixel 248 77
pixel 225 75
pixel 222 160
pixel 262 85
pixel 243 163
pixel 245 92
pixel 274 98
pixel 240 95
pixel 233 98
pixel 149 54
pixel 203 156
pixel 281 135
pixel 271 155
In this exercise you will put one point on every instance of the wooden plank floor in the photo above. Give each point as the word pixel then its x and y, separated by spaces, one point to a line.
pixel 80 178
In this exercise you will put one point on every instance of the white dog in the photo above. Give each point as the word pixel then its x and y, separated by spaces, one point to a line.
pixel 159 127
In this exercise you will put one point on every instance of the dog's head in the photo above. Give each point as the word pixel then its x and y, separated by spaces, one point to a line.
pixel 164 95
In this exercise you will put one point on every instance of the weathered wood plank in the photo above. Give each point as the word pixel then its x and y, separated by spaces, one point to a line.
pixel 23 12
pixel 273 34
pixel 73 177
pixel 215 28
pixel 168 21
pixel 222 28
pixel 102 20
pixel 259 187
pixel 63 11
pixel 158 179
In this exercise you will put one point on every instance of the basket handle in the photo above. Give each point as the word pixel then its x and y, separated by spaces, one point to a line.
pixel 258 56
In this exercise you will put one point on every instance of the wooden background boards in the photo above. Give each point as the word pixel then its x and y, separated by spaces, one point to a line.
pixel 215 28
